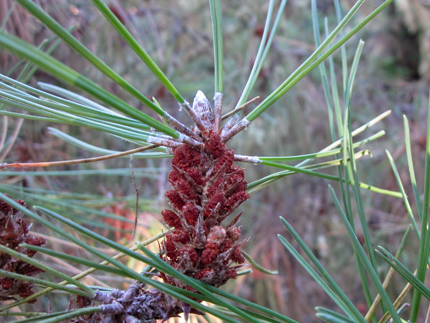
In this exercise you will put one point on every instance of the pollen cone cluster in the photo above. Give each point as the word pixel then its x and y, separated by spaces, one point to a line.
pixel 13 232
pixel 206 189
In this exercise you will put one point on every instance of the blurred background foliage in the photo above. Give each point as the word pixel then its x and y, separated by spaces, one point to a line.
pixel 393 75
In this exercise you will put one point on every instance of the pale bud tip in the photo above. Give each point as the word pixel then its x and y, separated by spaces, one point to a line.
pixel 200 96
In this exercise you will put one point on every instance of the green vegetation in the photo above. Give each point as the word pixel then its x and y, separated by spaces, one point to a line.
pixel 89 119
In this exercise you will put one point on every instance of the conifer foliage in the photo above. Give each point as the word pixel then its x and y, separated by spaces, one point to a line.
pixel 206 188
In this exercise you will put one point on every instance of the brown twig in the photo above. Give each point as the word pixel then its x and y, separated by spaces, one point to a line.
pixel 243 106
pixel 78 161
pixel 137 195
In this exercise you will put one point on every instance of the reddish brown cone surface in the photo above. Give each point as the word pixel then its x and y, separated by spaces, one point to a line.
pixel 13 232
pixel 207 187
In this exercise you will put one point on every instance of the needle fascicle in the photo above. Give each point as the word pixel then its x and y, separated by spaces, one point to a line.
pixel 196 119
pixel 190 141
pixel 247 159
pixel 181 127
pixel 242 124
pixel 217 110
pixel 163 142
pixel 230 124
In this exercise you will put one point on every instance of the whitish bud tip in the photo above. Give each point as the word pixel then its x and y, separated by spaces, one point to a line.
pixel 203 109
pixel 201 103
pixel 200 96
